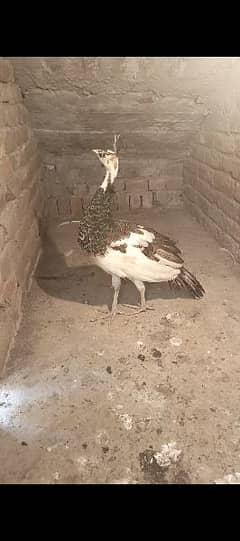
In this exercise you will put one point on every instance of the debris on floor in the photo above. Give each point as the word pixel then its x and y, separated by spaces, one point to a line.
pixel 167 455
pixel 175 341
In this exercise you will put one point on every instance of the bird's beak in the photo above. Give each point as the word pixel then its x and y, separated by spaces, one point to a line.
pixel 96 151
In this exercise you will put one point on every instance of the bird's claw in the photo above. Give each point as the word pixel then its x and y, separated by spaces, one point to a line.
pixel 138 309
pixel 111 315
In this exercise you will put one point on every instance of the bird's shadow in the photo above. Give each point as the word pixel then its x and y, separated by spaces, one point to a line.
pixel 87 284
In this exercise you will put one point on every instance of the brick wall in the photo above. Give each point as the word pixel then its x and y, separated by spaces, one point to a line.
pixel 158 185
pixel 212 183
pixel 212 170
pixel 21 206
pixel 156 104
pixel 77 103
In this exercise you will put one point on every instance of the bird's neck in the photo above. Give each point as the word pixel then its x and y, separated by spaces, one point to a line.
pixel 97 221
pixel 105 181
pixel 100 210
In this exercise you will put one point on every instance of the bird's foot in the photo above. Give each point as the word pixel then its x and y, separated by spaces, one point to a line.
pixel 138 309
pixel 109 315
pixel 132 306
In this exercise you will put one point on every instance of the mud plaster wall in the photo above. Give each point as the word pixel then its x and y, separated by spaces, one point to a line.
pixel 76 104
pixel 212 171
pixel 21 205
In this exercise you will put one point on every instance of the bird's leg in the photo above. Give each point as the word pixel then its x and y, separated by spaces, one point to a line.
pixel 116 284
pixel 141 288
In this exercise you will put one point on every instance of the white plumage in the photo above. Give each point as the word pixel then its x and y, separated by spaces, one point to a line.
pixel 134 264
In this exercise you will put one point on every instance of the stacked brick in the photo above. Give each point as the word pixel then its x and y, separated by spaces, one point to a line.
pixel 21 206
pixel 165 190
pixel 212 186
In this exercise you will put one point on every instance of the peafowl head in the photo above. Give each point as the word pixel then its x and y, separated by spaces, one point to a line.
pixel 109 158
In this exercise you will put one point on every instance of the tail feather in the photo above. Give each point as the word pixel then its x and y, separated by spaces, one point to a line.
pixel 188 281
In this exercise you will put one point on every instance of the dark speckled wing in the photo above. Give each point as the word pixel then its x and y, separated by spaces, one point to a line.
pixel 161 245
pixel 164 247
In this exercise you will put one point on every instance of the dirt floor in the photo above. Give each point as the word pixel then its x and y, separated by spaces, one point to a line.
pixel 152 398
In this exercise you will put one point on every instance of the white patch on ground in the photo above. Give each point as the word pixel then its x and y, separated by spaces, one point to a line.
pixel 124 417
pixel 150 397
pixel 49 449
pixel 176 341
pixel 126 420
pixel 231 479
pixel 16 403
pixel 168 455
pixel 175 317
pixel 143 423
pixel 102 437
pixel 84 463
pixel 82 460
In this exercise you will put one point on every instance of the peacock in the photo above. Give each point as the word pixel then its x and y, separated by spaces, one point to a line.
pixel 127 250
